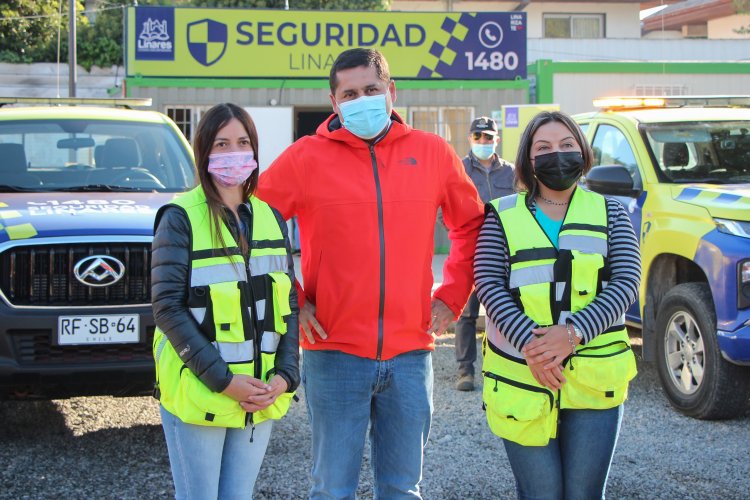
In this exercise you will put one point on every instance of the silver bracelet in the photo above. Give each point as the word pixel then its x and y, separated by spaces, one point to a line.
pixel 572 343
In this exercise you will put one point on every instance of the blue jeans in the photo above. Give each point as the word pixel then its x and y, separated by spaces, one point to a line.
pixel 214 462
pixel 344 394
pixel 573 466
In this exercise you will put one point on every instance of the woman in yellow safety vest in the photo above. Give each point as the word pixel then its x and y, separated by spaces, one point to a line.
pixel 226 344
pixel 556 267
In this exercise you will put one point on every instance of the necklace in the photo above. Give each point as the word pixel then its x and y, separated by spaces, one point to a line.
pixel 551 202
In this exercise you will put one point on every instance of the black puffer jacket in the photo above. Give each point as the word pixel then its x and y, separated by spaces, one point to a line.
pixel 170 259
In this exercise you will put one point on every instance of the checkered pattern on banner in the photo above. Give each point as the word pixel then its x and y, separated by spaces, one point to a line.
pixel 452 32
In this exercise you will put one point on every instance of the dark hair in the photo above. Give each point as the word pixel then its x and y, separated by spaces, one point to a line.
pixel 211 122
pixel 525 178
pixel 354 58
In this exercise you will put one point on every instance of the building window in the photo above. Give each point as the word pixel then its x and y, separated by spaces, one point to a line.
pixel 659 90
pixel 186 118
pixel 450 123
pixel 573 25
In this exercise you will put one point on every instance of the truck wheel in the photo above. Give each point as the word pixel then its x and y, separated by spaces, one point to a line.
pixel 697 380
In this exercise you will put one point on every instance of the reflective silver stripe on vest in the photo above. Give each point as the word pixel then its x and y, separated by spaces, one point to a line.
pixel 559 291
pixel 499 340
pixel 507 202
pixel 585 244
pixel 260 306
pixel 235 352
pixel 270 342
pixel 199 313
pixel 202 276
pixel 267 263
pixel 531 275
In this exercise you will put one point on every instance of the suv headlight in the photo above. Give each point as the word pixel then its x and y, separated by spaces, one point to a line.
pixel 743 284
pixel 736 227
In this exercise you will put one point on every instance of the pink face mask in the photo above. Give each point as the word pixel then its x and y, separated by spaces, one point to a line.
pixel 232 169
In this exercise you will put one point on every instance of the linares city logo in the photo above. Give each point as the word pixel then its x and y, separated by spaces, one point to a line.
pixel 154 37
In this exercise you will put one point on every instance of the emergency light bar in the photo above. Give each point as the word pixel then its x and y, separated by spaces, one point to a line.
pixel 125 102
pixel 634 102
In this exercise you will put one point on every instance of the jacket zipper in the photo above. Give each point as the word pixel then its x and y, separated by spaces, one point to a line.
pixel 381 231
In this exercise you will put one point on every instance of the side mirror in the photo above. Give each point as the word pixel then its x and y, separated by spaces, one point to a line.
pixel 614 180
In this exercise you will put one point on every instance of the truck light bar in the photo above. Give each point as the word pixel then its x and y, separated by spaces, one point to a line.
pixel 635 102
pixel 125 102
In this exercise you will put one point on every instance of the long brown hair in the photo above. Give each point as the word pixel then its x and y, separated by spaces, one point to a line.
pixel 525 178
pixel 211 122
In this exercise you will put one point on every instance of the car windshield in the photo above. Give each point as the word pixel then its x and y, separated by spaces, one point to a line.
pixel 92 155
pixel 710 152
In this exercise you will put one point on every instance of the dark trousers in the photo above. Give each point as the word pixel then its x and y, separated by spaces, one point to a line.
pixel 466 336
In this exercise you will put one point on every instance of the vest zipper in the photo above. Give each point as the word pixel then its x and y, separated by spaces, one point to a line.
pixel 523 386
pixel 381 234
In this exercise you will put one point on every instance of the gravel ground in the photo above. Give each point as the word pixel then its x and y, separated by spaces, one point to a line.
pixel 113 448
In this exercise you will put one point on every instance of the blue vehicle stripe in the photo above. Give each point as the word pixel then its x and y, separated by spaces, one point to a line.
pixel 727 198
pixel 688 194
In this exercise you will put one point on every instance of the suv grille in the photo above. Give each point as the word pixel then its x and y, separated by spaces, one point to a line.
pixel 43 275
pixel 34 347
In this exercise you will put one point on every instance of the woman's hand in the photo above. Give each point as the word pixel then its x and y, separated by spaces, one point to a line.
pixel 551 378
pixel 550 348
pixel 243 387
pixel 259 402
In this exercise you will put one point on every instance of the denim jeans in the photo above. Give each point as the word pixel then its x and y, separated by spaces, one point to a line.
pixel 344 394
pixel 466 336
pixel 573 466
pixel 214 462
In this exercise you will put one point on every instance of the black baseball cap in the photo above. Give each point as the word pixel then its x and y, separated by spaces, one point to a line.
pixel 484 124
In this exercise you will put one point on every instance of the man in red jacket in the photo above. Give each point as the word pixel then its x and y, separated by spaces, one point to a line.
pixel 366 189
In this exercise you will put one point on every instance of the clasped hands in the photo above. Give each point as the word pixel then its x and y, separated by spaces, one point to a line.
pixel 254 394
pixel 546 353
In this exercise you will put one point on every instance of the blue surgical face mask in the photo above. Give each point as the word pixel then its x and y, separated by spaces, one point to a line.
pixel 483 151
pixel 365 116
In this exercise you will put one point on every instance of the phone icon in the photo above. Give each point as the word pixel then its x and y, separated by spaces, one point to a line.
pixel 490 34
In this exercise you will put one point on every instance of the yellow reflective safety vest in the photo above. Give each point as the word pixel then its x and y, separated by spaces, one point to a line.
pixel 549 285
pixel 241 306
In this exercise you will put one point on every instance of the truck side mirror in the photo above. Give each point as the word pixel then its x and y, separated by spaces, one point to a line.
pixel 614 180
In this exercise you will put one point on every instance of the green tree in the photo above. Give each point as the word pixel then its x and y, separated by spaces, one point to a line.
pixel 27 27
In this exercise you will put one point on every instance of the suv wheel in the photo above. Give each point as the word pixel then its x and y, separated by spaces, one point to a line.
pixel 698 381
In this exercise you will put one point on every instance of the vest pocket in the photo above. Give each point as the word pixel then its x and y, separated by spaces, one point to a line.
pixel 197 404
pixel 281 286
pixel 584 278
pixel 226 308
pixel 277 410
pixel 519 412
pixel 598 377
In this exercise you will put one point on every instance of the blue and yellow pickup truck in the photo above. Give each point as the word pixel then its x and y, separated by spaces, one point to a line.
pixel 681 167
pixel 80 183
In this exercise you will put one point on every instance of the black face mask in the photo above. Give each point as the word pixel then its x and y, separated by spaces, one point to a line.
pixel 558 171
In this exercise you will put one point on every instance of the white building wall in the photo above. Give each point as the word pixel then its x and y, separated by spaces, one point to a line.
pixel 724 27
pixel 621 20
pixel 575 92
pixel 51 80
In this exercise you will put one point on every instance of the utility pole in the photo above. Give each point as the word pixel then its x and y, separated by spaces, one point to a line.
pixel 72 63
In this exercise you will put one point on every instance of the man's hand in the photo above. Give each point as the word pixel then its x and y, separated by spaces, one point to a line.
pixel 262 401
pixel 441 317
pixel 309 323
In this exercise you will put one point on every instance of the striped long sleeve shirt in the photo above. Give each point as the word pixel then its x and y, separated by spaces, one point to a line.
pixel 492 272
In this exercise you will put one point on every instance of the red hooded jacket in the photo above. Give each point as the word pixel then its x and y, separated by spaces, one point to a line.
pixel 366 216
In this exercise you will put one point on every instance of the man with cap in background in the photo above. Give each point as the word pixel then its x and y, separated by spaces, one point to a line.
pixel 493 178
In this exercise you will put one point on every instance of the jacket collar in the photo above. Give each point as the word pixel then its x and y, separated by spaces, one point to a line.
pixel 333 129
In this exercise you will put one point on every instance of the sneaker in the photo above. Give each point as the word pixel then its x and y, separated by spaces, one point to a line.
pixel 465 382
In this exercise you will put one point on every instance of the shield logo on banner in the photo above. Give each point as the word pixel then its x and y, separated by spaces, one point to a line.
pixel 207 40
